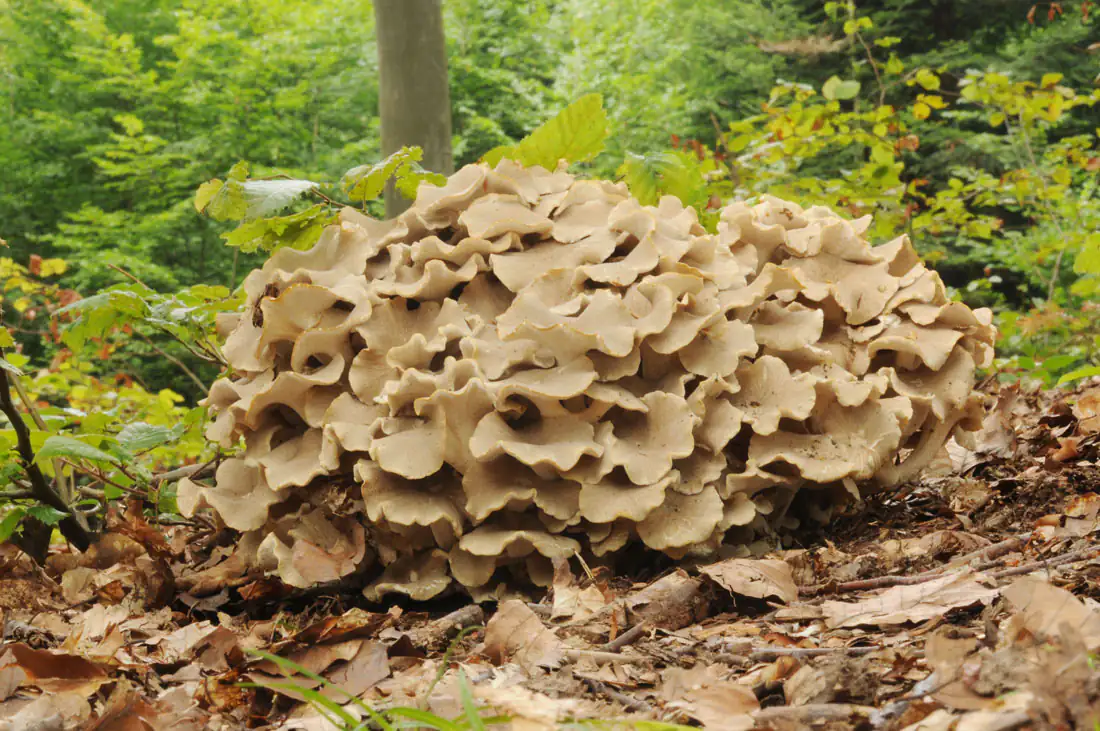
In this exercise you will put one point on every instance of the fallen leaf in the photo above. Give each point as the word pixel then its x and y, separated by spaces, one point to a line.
pixel 1049 611
pixel 526 709
pixel 578 605
pixel 516 633
pixel 758 578
pixel 938 720
pixel 56 672
pixel 914 603
pixel 720 705
pixel 671 602
pixel 52 712
pixel 1087 411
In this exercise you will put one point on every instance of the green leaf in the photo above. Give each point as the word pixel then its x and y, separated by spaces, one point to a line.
pixel 1050 80
pixel 240 199
pixel 297 231
pixel 1088 259
pixel 836 89
pixel 5 365
pixel 576 134
pixel 1079 373
pixel 11 522
pixel 366 182
pixel 206 193
pixel 140 437
pixel 61 446
pixel 266 197
pixel 46 514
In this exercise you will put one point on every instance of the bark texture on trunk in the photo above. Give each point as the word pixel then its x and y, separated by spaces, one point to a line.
pixel 414 97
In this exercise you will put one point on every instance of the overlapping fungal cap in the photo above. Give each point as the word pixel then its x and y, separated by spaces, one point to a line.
pixel 525 366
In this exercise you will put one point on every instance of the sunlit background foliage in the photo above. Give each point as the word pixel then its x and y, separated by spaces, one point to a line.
pixel 970 125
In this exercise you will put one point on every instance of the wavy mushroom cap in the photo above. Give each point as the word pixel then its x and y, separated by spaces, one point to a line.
pixel 525 366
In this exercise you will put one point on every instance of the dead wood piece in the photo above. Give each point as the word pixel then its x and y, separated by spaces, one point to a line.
pixel 602 657
pixel 986 554
pixel 1028 568
pixel 632 704
pixel 812 712
pixel 626 638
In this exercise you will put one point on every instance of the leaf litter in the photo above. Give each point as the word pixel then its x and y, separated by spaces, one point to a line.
pixel 965 601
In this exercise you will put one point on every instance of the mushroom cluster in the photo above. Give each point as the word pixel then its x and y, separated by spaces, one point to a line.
pixel 525 366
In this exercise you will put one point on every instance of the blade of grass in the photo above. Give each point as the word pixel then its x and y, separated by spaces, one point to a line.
pixel 425 718
pixel 447 661
pixel 473 715
pixel 285 663
pixel 314 698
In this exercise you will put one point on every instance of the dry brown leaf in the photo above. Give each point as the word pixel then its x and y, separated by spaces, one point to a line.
pixel 1048 611
pixel 671 602
pixel 720 705
pixel 51 712
pixel 915 603
pixel 528 710
pixel 56 672
pixel 516 633
pixel 758 578
pixel 1087 411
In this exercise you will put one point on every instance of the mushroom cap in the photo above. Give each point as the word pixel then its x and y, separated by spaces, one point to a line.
pixel 524 366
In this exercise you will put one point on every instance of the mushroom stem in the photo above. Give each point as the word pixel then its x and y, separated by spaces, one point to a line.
pixel 930 442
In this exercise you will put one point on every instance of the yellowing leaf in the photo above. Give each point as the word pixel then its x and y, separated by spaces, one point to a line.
pixel 921 110
pixel 577 134
pixel 1050 80
pixel 53 267
pixel 928 79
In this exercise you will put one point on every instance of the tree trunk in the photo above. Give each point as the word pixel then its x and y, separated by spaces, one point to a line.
pixel 414 98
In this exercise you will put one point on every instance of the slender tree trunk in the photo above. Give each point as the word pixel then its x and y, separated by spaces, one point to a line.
pixel 414 98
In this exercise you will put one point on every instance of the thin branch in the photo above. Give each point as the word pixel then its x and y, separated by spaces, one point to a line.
pixel 63 487
pixel 173 359
pixel 99 476
pixel 70 526
pixel 129 276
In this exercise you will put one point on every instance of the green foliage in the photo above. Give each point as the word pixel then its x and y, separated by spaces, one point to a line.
pixel 366 182
pixel 576 134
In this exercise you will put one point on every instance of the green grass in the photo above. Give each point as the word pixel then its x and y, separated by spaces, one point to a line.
pixel 473 718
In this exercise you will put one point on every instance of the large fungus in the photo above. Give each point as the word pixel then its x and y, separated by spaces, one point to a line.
pixel 525 366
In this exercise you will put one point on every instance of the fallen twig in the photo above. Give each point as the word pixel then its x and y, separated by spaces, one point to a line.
pixel 602 657
pixel 1034 566
pixel 626 638
pixel 995 550
pixel 812 712
pixel 630 703
pixel 988 553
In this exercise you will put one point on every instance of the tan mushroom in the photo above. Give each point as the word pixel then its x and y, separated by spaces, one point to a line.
pixel 524 366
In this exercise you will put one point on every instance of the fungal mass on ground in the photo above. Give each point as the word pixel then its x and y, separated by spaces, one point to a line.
pixel 525 366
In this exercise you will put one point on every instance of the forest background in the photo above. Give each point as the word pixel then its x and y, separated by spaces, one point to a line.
pixel 971 125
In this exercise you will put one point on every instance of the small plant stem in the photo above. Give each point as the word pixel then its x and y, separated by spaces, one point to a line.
pixel 176 361
pixel 71 526
pixel 63 488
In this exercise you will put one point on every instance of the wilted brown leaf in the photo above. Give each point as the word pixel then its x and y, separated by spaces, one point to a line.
pixel 1048 611
pixel 55 672
pixel 914 603
pixel 702 694
pixel 758 578
pixel 516 633
pixel 1087 411
pixel 671 602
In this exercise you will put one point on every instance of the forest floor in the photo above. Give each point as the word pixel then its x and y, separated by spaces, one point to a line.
pixel 966 601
